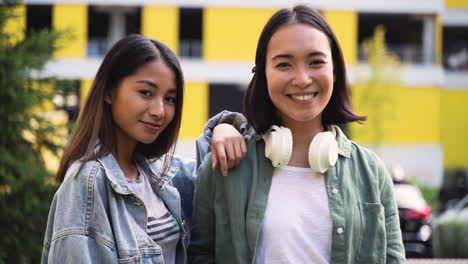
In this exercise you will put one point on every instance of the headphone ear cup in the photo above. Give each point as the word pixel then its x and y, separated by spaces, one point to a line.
pixel 323 152
pixel 278 145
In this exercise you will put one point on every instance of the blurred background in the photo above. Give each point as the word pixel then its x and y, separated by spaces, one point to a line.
pixel 407 63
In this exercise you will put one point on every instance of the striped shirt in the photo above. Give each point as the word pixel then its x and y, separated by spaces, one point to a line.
pixel 162 227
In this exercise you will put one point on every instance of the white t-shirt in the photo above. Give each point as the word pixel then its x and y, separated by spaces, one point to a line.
pixel 297 227
pixel 162 227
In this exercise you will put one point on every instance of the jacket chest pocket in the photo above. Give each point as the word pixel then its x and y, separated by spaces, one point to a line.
pixel 372 242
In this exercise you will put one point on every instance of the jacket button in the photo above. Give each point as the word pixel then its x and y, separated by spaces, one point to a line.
pixel 334 190
pixel 339 230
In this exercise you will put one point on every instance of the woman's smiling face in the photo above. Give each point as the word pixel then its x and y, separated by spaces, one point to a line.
pixel 144 103
pixel 299 72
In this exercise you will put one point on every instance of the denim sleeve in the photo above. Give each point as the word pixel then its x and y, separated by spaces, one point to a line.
pixel 395 249
pixel 202 243
pixel 78 248
pixel 184 183
pixel 235 119
pixel 78 230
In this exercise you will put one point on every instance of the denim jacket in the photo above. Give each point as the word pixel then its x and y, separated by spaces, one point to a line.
pixel 95 217
pixel 228 211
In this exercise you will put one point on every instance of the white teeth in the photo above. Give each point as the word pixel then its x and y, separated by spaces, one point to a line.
pixel 302 97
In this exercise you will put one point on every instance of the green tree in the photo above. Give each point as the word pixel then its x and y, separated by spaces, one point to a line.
pixel 24 196
pixel 378 85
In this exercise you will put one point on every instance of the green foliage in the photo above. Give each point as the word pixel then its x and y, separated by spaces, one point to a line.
pixel 430 194
pixel 378 91
pixel 24 216
pixel 24 196
pixel 450 238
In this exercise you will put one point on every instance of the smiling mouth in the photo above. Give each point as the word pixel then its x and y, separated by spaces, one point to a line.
pixel 303 97
pixel 151 126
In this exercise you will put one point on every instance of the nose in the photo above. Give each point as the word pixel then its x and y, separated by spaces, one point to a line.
pixel 302 77
pixel 156 109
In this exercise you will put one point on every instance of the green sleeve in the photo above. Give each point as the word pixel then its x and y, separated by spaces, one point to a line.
pixel 395 249
pixel 202 243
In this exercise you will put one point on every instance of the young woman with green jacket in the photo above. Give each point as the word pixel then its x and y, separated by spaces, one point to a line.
pixel 304 193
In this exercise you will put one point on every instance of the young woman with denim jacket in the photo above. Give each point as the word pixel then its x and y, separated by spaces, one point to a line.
pixel 124 197
pixel 333 202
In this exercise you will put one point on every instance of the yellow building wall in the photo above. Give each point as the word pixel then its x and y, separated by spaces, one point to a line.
pixel 162 23
pixel 73 19
pixel 231 34
pixel 85 86
pixel 345 25
pixel 195 110
pixel 414 119
pixel 454 127
pixel 16 26
pixel 456 3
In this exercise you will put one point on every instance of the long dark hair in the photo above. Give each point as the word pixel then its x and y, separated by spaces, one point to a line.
pixel 95 124
pixel 259 108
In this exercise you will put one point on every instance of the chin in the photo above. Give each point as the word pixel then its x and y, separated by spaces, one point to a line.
pixel 304 118
pixel 147 140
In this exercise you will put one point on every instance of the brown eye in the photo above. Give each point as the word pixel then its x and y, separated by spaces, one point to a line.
pixel 170 99
pixel 145 93
pixel 316 62
pixel 282 65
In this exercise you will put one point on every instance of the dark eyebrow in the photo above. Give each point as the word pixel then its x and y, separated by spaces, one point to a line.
pixel 154 85
pixel 150 83
pixel 288 56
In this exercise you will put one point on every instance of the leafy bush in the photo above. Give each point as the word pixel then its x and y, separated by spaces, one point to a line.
pixel 24 195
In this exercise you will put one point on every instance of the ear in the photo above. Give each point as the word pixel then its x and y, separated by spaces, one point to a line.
pixel 108 99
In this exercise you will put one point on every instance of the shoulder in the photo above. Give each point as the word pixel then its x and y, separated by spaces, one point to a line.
pixel 365 154
pixel 255 155
pixel 82 178
pixel 368 161
pixel 76 198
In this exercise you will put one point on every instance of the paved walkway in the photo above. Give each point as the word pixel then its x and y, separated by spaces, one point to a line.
pixel 437 261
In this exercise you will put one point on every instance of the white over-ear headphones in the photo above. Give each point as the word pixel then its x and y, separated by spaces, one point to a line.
pixel 323 150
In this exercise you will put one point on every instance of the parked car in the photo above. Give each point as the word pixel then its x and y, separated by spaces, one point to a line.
pixel 450 238
pixel 415 215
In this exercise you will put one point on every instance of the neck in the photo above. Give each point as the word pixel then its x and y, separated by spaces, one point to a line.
pixel 123 152
pixel 302 133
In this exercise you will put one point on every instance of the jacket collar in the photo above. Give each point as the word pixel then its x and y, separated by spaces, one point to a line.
pixel 344 144
pixel 153 169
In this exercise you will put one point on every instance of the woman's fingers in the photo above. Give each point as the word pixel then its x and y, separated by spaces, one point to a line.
pixel 228 147
pixel 214 158
pixel 220 148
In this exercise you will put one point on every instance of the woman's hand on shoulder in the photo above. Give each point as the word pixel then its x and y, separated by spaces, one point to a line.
pixel 228 147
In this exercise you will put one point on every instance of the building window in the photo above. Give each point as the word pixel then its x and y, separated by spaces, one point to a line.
pixel 38 17
pixel 98 27
pixel 455 48
pixel 108 24
pixel 225 97
pixel 407 36
pixel 191 32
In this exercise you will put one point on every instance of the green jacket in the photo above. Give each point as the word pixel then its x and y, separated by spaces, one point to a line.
pixel 228 211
